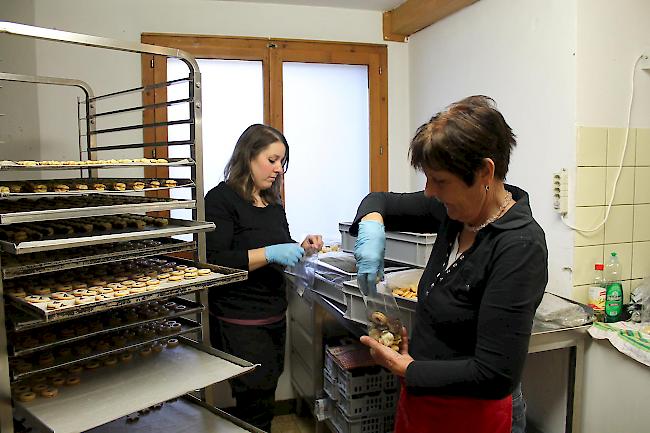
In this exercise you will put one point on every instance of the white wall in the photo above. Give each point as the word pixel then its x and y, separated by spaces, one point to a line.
pixel 522 55
pixel 19 125
pixel 126 20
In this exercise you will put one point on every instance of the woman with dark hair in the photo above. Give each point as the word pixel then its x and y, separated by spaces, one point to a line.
pixel 247 319
pixel 484 279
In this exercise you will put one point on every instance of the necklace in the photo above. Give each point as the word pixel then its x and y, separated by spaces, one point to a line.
pixel 496 216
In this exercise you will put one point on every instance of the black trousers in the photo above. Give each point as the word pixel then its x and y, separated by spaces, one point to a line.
pixel 265 345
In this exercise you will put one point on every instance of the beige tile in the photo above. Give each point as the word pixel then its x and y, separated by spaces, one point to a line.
pixel 587 218
pixel 635 283
pixel 591 147
pixel 590 186
pixel 579 293
pixel 641 231
pixel 624 253
pixel 641 185
pixel 624 187
pixel 619 225
pixel 626 291
pixel 584 259
pixel 615 143
pixel 641 260
pixel 643 147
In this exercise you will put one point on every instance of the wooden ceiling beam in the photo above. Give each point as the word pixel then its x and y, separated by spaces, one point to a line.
pixel 414 15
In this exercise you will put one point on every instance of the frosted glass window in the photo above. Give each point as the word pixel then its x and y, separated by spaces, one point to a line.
pixel 326 122
pixel 233 99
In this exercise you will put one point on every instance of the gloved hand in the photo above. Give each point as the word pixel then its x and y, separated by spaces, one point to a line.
pixel 284 254
pixel 369 252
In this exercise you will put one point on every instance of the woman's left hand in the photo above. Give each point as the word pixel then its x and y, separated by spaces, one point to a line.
pixel 396 362
pixel 312 244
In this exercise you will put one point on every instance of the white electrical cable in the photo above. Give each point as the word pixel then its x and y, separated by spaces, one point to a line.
pixel 620 166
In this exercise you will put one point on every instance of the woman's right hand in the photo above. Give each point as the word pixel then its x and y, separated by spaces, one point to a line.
pixel 284 254
pixel 369 253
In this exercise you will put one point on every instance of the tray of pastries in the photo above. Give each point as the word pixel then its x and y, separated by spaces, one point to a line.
pixel 98 163
pixel 86 186
pixel 49 235
pixel 56 208
pixel 14 266
pixel 62 295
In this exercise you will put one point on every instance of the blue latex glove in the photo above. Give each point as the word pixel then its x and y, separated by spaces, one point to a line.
pixel 284 254
pixel 369 252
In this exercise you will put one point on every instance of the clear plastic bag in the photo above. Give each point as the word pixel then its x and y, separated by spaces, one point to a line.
pixel 303 272
pixel 384 317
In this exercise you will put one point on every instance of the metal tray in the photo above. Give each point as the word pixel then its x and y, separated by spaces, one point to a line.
pixel 220 276
pixel 117 392
pixel 175 227
pixel 187 326
pixel 190 308
pixel 46 264
pixel 180 183
pixel 80 212
pixel 11 165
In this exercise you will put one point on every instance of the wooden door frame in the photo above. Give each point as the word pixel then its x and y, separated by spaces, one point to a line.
pixel 272 52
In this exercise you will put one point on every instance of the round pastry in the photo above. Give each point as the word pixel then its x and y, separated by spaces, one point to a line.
pixel 190 275
pixel 102 290
pixel 79 286
pixel 75 369
pixel 120 293
pixel 40 379
pixel 17 293
pixel 120 279
pixel 178 273
pixel 161 161
pixel 114 286
pixel 172 342
pixel 151 274
pixel 379 318
pixel 143 279
pixel 119 341
pixel 170 183
pixel 36 299
pixel 92 365
pixel 176 278
pixel 136 276
pixel 111 361
pixel 84 300
pixel 145 351
pixel 126 357
pixel 62 296
pixel 157 348
pixel 58 381
pixel 166 269
pixel 99 187
pixel 181 267
pixel 65 288
pixel 100 283
pixel 41 291
pixel 26 396
pixel 191 269
pixel 104 297
pixel 49 392
pixel 137 289
pixel 83 350
pixel 180 308
pixel 164 276
pixel 204 271
pixel 64 352
pixel 152 282
pixel 21 389
pixel 72 381
pixel 128 283
pixel 139 285
pixel 53 305
pixel 40 387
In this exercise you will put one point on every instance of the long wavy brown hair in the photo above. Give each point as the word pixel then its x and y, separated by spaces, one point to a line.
pixel 238 173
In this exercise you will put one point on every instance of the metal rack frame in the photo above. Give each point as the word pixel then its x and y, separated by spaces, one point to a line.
pixel 87 116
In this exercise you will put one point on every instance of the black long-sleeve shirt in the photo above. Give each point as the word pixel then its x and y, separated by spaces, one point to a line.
pixel 473 321
pixel 240 227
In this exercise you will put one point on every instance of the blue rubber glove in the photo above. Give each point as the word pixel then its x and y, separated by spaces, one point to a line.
pixel 369 252
pixel 284 254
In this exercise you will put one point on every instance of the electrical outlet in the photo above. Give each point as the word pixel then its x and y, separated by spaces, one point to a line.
pixel 561 191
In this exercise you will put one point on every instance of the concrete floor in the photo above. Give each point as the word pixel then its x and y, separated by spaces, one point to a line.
pixel 292 424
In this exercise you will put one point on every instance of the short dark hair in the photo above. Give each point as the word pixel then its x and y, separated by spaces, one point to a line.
pixel 238 174
pixel 458 139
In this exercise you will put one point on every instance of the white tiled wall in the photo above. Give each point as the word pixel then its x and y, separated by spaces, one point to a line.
pixel 627 230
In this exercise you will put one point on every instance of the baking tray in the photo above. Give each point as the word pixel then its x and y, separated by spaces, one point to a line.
pixel 220 276
pixel 18 325
pixel 187 326
pixel 117 392
pixel 12 165
pixel 46 264
pixel 91 211
pixel 180 183
pixel 175 227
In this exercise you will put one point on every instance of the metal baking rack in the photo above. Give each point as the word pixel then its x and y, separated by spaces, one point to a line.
pixel 29 323
pixel 114 393
pixel 220 276
pixel 187 326
pixel 117 392
pixel 12 165
pixel 175 227
pixel 137 249
pixel 180 183
pixel 146 205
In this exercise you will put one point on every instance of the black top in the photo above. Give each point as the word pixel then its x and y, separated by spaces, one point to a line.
pixel 473 321
pixel 242 227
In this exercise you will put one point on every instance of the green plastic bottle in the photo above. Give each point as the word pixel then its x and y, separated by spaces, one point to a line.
pixel 614 292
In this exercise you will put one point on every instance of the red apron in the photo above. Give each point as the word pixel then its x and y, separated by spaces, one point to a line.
pixel 432 414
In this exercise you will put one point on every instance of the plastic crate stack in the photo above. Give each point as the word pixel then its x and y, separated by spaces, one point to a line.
pixel 364 398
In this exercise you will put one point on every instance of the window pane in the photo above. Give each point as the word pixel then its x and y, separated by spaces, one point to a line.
pixel 326 122
pixel 233 99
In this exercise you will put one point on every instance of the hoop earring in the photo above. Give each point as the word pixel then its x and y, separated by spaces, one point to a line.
pixel 487 188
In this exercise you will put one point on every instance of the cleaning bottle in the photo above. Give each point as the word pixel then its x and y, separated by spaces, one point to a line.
pixel 614 291
pixel 597 292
